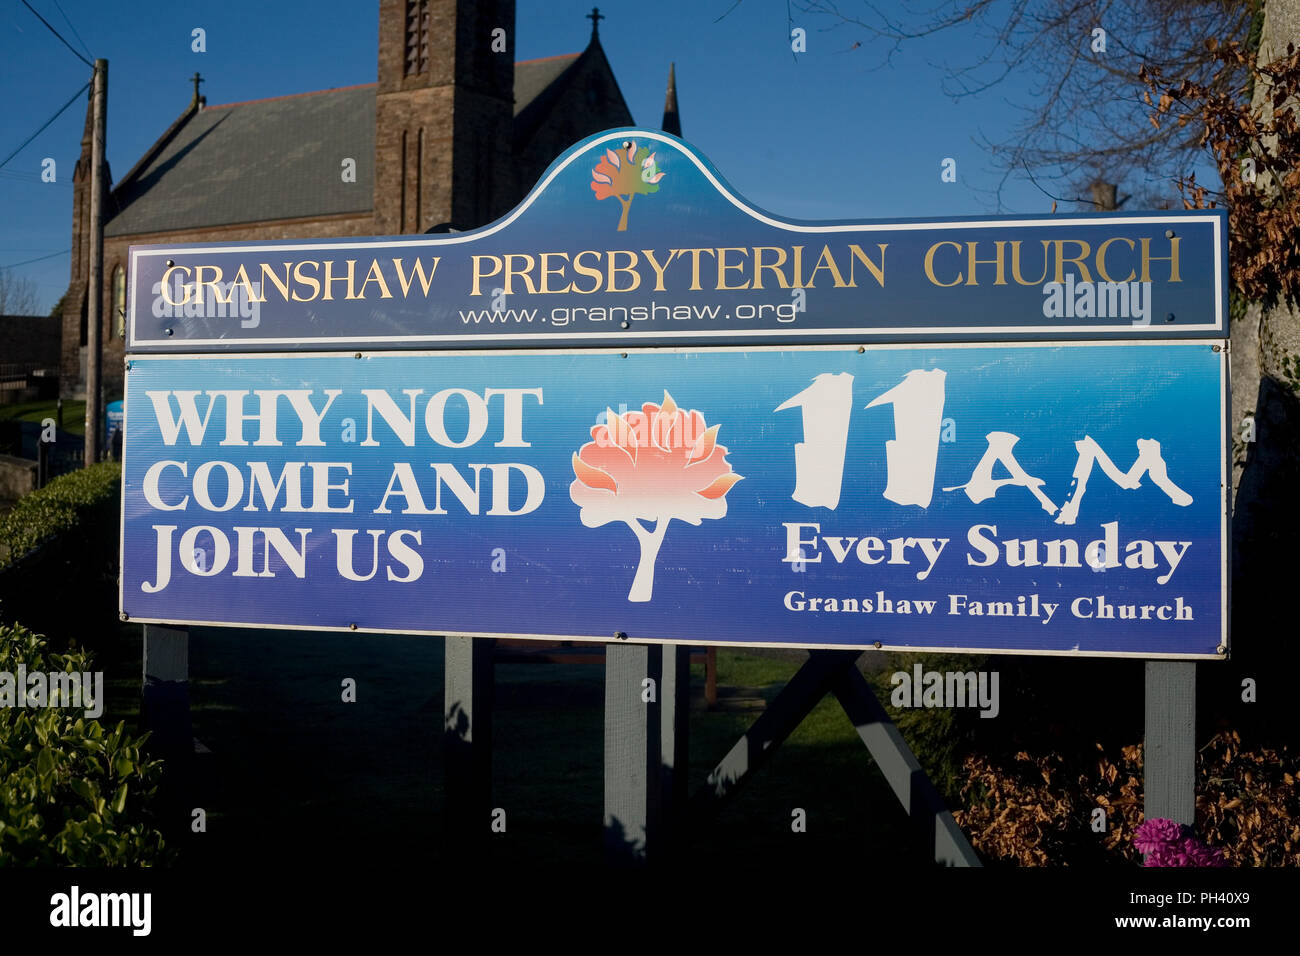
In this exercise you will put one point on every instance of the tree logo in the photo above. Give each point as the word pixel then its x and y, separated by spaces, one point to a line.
pixel 623 173
pixel 653 465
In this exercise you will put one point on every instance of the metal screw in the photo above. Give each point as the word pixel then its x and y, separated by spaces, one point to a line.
pixel 1216 347
pixel 878 645
pixel 1169 316
pixel 352 626
pixel 167 331
pixel 620 635
pixel 1222 649
pixel 170 263
pixel 357 356
pixel 624 355
pixel 124 616
pixel 1169 233
pixel 624 323
pixel 861 349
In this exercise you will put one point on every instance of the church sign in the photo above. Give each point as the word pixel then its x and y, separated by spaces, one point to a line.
pixel 1059 493
pixel 632 238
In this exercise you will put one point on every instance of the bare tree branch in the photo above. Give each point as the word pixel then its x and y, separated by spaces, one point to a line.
pixel 1077 91
pixel 17 294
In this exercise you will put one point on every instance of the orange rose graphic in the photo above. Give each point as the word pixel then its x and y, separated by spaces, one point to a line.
pixel 653 465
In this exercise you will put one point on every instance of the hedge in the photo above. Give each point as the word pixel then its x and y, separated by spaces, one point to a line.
pixel 72 793
pixel 57 508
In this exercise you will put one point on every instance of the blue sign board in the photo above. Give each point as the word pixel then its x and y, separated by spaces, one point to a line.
pixel 1039 497
pixel 113 415
pixel 633 239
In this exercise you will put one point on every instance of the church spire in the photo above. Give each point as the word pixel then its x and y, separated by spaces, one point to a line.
pixel 595 17
pixel 672 120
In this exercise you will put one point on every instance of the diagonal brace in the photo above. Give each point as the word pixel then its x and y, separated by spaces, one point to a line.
pixel 935 824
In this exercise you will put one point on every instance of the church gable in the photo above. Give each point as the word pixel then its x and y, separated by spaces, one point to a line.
pixel 581 99
pixel 268 159
pixel 282 158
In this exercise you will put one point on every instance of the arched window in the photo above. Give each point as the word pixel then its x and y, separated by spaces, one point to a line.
pixel 119 302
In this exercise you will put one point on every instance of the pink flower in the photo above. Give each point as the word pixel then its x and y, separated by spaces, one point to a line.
pixel 1154 835
pixel 1201 855
pixel 1168 843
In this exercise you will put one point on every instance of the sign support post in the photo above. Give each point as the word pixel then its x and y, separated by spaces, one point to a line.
pixel 633 771
pixel 1169 755
pixel 647 713
pixel 674 761
pixel 467 741
pixel 165 710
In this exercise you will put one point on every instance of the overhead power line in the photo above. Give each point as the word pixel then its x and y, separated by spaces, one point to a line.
pixel 57 34
pixel 45 124
pixel 59 7
pixel 27 262
pixel 32 179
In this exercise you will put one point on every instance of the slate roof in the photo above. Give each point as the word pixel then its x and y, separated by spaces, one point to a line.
pixel 277 158
pixel 533 77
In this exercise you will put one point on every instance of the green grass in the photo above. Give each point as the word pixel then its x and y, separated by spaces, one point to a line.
pixel 74 413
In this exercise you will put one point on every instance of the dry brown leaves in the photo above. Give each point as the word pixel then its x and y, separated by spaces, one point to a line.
pixel 1262 196
pixel 1037 810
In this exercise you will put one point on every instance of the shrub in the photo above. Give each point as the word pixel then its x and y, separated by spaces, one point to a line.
pixel 58 508
pixel 1036 810
pixel 72 792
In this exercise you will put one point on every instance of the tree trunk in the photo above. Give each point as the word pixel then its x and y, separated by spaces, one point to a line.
pixel 644 582
pixel 1266 471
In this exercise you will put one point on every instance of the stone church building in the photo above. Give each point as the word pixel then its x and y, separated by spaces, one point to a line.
pixel 452 136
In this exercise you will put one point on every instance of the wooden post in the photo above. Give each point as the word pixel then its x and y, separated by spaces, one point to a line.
pixel 467 743
pixel 711 677
pixel 674 740
pixel 165 707
pixel 1169 756
pixel 94 289
pixel 633 752
pixel 165 713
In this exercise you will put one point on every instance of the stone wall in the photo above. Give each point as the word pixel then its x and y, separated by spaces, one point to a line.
pixel 17 477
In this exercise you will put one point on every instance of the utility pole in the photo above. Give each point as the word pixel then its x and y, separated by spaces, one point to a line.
pixel 95 285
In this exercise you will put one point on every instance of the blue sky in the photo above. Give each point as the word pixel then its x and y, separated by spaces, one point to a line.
pixel 826 134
